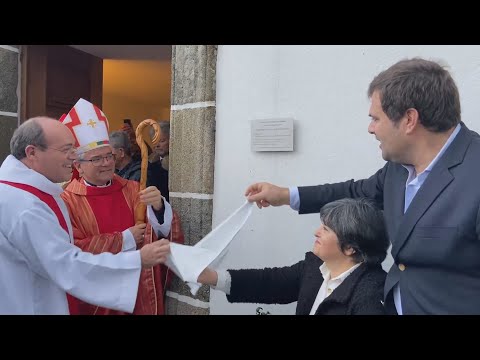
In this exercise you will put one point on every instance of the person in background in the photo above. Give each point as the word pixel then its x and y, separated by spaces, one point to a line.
pixel 130 131
pixel 159 161
pixel 125 166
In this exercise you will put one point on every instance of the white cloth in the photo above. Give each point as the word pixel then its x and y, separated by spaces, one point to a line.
pixel 189 261
pixel 38 261
pixel 128 241
pixel 224 281
pixel 162 230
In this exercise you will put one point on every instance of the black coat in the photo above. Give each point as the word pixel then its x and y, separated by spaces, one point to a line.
pixel 158 176
pixel 132 171
pixel 360 293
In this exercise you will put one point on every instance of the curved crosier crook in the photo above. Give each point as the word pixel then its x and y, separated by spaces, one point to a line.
pixel 140 211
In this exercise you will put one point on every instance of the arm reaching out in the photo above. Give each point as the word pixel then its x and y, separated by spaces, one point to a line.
pixel 266 194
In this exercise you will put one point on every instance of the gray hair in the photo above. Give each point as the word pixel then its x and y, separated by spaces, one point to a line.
pixel 164 127
pixel 29 133
pixel 120 139
pixel 422 85
pixel 359 225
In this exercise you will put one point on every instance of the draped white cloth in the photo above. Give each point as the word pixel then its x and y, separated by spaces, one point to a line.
pixel 189 261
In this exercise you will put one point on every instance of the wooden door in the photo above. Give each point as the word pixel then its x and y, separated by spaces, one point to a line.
pixel 54 77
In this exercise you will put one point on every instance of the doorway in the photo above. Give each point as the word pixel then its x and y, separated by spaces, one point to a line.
pixel 192 146
pixel 125 81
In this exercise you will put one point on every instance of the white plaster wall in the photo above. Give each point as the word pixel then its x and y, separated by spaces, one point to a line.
pixel 324 89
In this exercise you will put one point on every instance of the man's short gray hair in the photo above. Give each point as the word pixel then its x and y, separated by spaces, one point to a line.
pixel 29 133
pixel 120 139
pixel 164 128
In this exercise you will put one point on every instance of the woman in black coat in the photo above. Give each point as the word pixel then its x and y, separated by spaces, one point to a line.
pixel 342 276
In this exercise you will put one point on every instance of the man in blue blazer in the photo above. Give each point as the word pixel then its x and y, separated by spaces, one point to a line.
pixel 429 190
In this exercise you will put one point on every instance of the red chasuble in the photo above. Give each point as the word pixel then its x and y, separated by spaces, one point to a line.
pixel 99 215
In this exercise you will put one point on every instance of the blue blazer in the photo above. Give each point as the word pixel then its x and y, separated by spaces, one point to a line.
pixel 436 243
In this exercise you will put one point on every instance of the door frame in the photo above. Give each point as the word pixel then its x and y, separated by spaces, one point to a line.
pixel 34 77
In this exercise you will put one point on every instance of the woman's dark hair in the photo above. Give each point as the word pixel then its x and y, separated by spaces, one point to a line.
pixel 358 224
